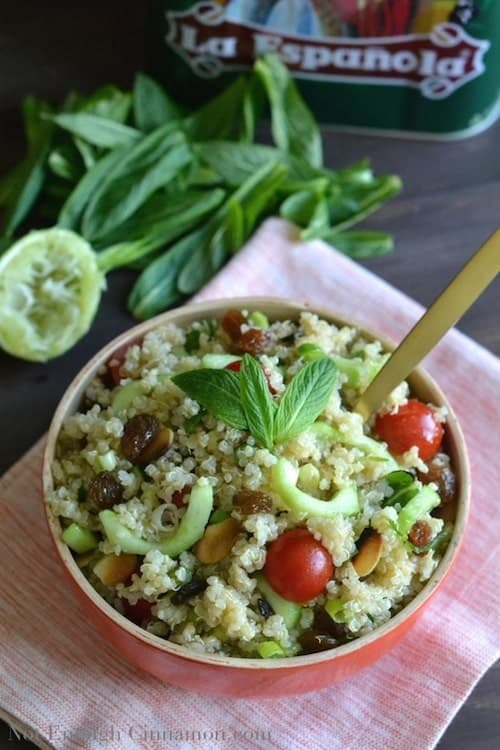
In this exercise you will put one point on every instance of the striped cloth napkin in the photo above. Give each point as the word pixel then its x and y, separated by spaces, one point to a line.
pixel 64 687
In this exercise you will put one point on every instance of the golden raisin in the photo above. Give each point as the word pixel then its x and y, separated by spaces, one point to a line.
pixel 104 491
pixel 420 534
pixel 144 439
pixel 231 323
pixel 253 341
pixel 252 501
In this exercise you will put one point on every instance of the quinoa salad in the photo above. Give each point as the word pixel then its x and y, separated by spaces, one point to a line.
pixel 218 489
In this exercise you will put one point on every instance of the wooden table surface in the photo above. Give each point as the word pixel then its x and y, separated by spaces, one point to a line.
pixel 449 206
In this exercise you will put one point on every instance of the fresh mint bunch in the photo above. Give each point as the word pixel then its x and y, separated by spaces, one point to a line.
pixel 175 195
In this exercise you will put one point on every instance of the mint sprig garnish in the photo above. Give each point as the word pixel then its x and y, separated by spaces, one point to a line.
pixel 257 403
pixel 304 399
pixel 218 391
pixel 243 399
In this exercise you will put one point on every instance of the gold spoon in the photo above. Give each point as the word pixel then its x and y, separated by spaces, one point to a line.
pixel 444 312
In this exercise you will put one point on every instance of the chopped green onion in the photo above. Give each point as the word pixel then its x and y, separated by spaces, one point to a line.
pixel 107 461
pixel 310 351
pixel 124 396
pixel 269 650
pixel 334 608
pixel 191 423
pixel 79 539
pixel 258 319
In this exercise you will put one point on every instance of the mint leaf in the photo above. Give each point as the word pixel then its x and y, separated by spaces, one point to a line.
pixel 218 391
pixel 192 340
pixel 256 400
pixel 304 399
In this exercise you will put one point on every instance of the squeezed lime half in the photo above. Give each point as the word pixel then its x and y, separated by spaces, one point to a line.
pixel 50 287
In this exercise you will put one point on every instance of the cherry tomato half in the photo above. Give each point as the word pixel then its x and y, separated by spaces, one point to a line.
pixel 298 567
pixel 179 496
pixel 137 612
pixel 234 366
pixel 413 424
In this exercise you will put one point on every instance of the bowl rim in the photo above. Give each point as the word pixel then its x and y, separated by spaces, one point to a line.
pixel 293 307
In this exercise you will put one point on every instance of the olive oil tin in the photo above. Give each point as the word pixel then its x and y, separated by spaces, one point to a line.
pixel 428 68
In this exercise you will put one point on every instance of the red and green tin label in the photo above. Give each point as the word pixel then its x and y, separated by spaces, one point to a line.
pixel 416 66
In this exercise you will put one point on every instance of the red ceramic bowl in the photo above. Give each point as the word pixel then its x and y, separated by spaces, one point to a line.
pixel 238 677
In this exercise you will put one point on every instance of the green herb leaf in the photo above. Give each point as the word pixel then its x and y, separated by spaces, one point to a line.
pixel 156 288
pixel 234 225
pixel 220 117
pixel 109 102
pixel 258 194
pixel 72 210
pixel 27 179
pixel 192 340
pixel 100 131
pixel 235 162
pixel 216 240
pixel 257 403
pixel 360 244
pixel 304 399
pixel 299 207
pixel 294 128
pixel 165 215
pixel 254 101
pixel 152 106
pixel 149 230
pixel 216 390
pixel 191 423
pixel 65 162
pixel 150 164
pixel 87 152
pixel 197 269
pixel 362 200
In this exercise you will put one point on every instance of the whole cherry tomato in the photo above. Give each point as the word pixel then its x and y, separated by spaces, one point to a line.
pixel 298 567
pixel 413 424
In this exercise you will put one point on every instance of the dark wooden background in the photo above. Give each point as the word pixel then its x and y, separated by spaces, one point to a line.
pixel 451 202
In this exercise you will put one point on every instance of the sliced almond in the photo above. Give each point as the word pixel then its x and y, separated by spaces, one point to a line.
pixel 368 555
pixel 217 541
pixel 158 445
pixel 113 569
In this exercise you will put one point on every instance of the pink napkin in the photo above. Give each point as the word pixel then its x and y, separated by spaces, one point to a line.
pixel 65 688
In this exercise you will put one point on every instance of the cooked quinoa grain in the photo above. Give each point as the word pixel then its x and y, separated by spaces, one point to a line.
pixel 201 500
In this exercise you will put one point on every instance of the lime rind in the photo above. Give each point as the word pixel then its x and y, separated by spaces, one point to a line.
pixel 50 288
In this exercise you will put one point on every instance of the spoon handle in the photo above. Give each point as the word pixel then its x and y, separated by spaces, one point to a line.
pixel 444 312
